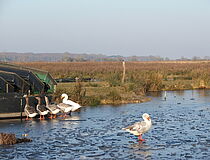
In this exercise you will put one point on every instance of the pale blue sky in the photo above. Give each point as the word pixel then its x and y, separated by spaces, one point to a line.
pixel 168 28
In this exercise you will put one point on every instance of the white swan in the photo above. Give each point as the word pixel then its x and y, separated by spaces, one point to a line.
pixel 29 110
pixel 52 108
pixel 41 109
pixel 140 128
pixel 75 106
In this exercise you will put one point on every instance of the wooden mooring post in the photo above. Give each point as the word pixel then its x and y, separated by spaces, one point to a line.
pixel 123 77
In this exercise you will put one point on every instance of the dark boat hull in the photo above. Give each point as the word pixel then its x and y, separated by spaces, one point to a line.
pixel 12 105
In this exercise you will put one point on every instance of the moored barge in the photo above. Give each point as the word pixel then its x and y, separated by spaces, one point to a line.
pixel 15 82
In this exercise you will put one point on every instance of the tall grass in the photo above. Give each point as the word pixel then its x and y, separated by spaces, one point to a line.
pixel 142 76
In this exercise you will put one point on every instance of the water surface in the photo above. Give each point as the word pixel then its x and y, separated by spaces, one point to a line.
pixel 181 130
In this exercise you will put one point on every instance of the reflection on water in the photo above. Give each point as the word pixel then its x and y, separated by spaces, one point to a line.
pixel 155 94
pixel 179 92
pixel 180 131
pixel 72 118
pixel 203 93
pixel 141 149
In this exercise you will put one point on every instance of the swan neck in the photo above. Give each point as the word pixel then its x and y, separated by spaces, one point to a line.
pixel 65 98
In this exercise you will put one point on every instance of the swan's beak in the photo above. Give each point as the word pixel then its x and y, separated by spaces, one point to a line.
pixel 62 97
pixel 148 118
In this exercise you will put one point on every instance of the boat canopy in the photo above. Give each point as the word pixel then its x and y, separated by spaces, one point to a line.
pixel 46 78
pixel 5 87
pixel 40 81
pixel 19 84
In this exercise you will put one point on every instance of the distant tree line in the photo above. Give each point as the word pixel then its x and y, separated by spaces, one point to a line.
pixel 70 57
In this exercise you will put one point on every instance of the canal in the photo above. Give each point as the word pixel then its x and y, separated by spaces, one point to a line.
pixel 181 130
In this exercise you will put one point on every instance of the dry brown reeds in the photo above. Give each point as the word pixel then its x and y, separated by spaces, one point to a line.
pixel 150 75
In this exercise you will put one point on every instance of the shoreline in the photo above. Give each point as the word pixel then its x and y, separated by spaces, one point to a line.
pixel 121 102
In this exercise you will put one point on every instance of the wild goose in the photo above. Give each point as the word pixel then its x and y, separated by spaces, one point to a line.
pixel 65 108
pixel 52 108
pixel 29 110
pixel 42 110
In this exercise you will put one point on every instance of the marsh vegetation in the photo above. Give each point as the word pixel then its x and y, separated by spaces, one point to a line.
pixel 140 78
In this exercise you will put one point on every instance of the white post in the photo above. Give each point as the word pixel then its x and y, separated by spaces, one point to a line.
pixel 123 77
pixel 7 88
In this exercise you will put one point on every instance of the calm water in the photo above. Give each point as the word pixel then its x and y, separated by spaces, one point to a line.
pixel 181 130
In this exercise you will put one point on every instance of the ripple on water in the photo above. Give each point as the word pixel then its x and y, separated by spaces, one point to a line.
pixel 178 132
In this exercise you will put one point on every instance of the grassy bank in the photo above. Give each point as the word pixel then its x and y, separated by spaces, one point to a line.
pixel 97 93
pixel 140 78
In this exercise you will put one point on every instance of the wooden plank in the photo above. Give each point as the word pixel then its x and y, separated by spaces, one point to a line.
pixel 11 115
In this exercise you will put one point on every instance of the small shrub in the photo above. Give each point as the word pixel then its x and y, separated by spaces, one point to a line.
pixel 93 84
pixel 78 92
pixel 91 100
pixel 114 95
pixel 114 79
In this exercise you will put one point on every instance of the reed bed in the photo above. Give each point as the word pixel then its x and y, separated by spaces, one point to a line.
pixel 140 77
